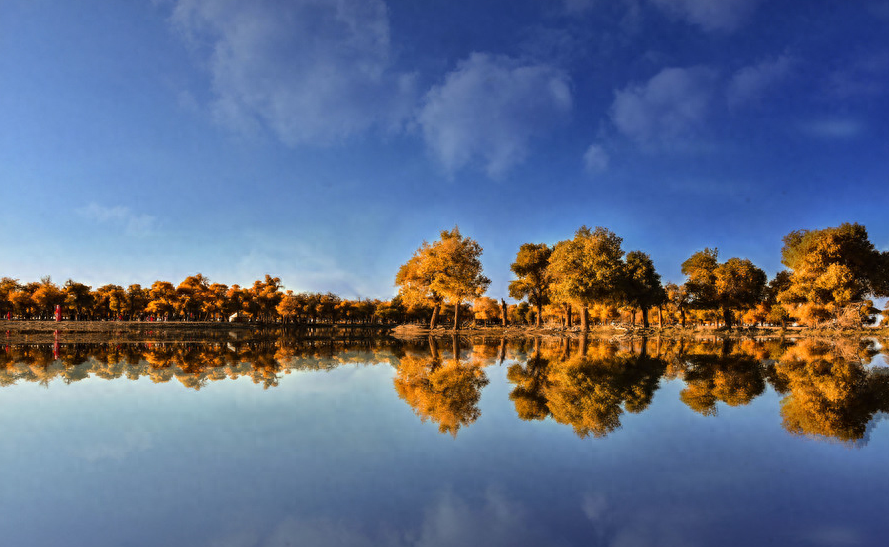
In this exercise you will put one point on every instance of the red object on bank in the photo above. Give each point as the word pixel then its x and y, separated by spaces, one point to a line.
pixel 58 312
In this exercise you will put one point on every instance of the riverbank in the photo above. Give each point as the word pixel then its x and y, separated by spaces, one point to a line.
pixel 415 331
pixel 181 331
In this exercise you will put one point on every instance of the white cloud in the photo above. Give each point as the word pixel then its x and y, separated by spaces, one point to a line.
pixel 490 108
pixel 865 76
pixel 671 107
pixel 577 6
pixel 710 15
pixel 596 159
pixel 133 224
pixel 833 128
pixel 749 84
pixel 313 71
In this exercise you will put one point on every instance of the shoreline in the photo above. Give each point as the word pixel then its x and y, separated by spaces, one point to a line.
pixel 128 330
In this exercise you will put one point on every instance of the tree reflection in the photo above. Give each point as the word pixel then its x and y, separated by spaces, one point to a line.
pixel 588 391
pixel 828 388
pixel 732 375
pixel 445 391
pixel 530 380
pixel 831 391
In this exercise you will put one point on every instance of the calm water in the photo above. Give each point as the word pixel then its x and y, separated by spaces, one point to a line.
pixel 281 441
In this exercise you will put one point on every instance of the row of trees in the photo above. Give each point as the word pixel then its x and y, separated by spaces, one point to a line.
pixel 195 299
pixel 831 276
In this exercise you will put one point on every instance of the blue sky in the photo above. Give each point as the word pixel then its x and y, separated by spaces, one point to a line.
pixel 323 140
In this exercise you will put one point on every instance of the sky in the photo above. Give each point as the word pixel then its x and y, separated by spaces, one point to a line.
pixel 322 141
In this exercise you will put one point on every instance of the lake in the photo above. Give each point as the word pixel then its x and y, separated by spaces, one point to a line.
pixel 279 440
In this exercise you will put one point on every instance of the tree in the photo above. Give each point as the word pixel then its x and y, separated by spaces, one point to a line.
pixel 700 269
pixel 163 298
pixel 8 286
pixel 642 286
pixel 485 309
pixel 739 284
pixel 192 295
pixel 266 295
pixel 588 269
pixel 414 282
pixel 678 297
pixel 531 268
pixel 731 286
pixel 137 300
pixel 834 268
pixel 449 270
pixel 47 297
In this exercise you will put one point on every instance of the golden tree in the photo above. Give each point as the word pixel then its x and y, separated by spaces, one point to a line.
pixel 447 271
pixel 588 269
pixel 531 268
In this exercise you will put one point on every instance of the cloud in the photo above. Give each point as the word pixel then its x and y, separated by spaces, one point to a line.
pixel 311 71
pixel 671 107
pixel 596 159
pixel 710 15
pixel 132 223
pixel 490 108
pixel 573 7
pixel 833 128
pixel 865 76
pixel 749 84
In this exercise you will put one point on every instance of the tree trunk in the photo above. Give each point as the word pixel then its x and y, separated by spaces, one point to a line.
pixel 633 317
pixel 644 318
pixel 456 316
pixel 539 314
pixel 682 316
pixel 584 320
pixel 727 318
pixel 435 311
pixel 660 317
pixel 503 311
pixel 568 316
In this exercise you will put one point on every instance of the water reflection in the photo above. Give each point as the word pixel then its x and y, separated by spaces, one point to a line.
pixel 828 389
pixel 588 390
pixel 445 391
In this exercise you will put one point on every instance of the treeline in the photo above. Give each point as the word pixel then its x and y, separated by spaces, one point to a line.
pixel 194 299
pixel 831 278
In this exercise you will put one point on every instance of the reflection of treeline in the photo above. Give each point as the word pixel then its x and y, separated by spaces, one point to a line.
pixel 831 277
pixel 195 298
pixel 828 388
pixel 192 364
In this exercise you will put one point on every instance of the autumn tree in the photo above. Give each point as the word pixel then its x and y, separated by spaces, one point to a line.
pixel 191 295
pixel 733 285
pixel 533 276
pixel 485 309
pixel 78 297
pixel 414 282
pixel 8 286
pixel 47 297
pixel 642 284
pixel 739 285
pixel 588 269
pixel 834 268
pixel 163 299
pixel 109 301
pixel 137 300
pixel 448 270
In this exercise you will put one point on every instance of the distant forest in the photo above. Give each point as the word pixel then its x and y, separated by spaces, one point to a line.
pixel 832 276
